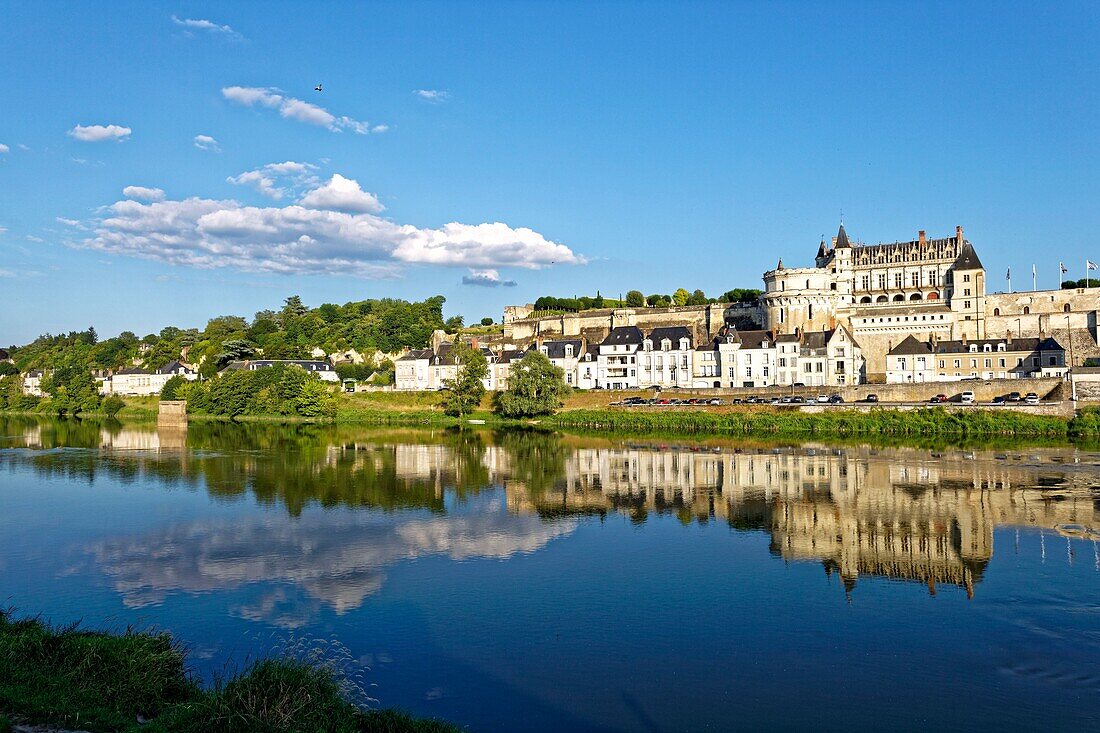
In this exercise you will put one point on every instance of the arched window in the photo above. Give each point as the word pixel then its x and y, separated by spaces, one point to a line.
pixel 1026 310
pixel 899 296
pixel 881 299
pixel 914 296
pixel 1065 308
pixel 933 296
pixel 865 299
pixel 996 311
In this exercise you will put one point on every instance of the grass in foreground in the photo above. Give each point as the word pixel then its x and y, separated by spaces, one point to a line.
pixel 105 682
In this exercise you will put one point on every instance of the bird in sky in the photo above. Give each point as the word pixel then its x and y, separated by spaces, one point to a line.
pixel 317 88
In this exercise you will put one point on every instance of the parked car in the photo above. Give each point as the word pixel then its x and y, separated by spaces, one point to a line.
pixel 836 399
pixel 1031 399
pixel 774 401
pixel 967 397
pixel 714 401
pixel 937 399
pixel 999 400
pixel 871 398
pixel 797 400
pixel 822 398
pixel 799 384
pixel 1013 397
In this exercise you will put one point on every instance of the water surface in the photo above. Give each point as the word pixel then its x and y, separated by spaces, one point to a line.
pixel 530 581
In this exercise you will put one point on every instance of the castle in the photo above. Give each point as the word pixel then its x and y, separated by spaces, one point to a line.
pixel 932 289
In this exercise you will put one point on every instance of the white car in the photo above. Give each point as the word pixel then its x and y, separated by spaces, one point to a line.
pixel 967 398
pixel 1031 399
pixel 822 398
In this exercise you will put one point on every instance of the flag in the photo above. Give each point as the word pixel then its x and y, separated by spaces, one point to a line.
pixel 1008 275
pixel 1090 264
pixel 1063 268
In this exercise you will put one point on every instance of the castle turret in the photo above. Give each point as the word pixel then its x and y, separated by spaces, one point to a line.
pixel 968 290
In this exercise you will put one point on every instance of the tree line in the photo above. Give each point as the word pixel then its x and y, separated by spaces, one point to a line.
pixel 637 299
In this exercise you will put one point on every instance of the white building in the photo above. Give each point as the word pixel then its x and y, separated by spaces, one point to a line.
pixel 617 360
pixel 32 383
pixel 324 371
pixel 140 382
pixel 666 358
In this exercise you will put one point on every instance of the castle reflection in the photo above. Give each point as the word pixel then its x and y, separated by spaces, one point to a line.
pixel 899 513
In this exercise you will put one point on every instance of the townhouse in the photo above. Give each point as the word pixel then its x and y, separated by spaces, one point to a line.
pixel 943 361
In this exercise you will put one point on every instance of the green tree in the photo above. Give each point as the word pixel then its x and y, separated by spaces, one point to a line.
pixel 8 369
pixel 462 395
pixel 698 298
pixel 171 388
pixel 535 387
pixel 680 297
pixel 635 299
pixel 487 321
pixel 315 399
pixel 112 405
pixel 453 324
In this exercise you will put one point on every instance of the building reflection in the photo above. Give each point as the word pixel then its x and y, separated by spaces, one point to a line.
pixel 908 514
pixel 901 514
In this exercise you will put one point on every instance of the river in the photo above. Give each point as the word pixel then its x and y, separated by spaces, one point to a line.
pixel 540 582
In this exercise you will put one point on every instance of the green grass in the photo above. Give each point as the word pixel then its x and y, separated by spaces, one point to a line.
pixel 100 682
pixel 925 422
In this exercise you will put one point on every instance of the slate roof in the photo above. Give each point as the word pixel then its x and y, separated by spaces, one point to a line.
pixel 968 258
pixel 623 335
pixel 307 364
pixel 132 370
pixel 556 349
pixel 672 333
pixel 842 239
pixel 173 366
pixel 910 346
pixel 1017 344
pixel 755 339
pixel 417 354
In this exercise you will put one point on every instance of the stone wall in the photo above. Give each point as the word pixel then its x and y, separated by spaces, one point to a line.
pixel 704 321
pixel 1044 312
pixel 172 413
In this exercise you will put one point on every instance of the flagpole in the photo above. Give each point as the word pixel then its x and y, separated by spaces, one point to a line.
pixel 1034 279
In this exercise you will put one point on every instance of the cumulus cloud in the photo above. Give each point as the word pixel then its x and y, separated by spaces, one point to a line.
pixel 486 278
pixel 309 237
pixel 4 148
pixel 342 194
pixel 200 24
pixel 435 96
pixel 276 180
pixel 297 109
pixel 99 133
pixel 143 193
pixel 205 142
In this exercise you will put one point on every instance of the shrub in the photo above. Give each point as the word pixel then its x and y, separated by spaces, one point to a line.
pixel 171 388
pixel 112 405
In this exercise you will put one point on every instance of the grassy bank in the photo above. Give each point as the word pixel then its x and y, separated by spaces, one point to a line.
pixel 925 422
pixel 105 682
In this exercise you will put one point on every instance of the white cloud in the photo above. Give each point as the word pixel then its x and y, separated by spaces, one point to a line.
pixel 342 194
pixel 32 238
pixel 4 148
pixel 143 193
pixel 99 133
pixel 296 109
pixel 265 179
pixel 486 278
pixel 205 142
pixel 205 25
pixel 301 239
pixel 7 273
pixel 70 222
pixel 435 96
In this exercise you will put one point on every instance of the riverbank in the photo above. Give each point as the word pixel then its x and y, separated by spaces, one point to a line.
pixel 99 682
pixel 589 411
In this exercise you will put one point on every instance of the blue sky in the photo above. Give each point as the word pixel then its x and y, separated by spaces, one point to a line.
pixel 606 146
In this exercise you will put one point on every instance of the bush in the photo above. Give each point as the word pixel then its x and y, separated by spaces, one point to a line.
pixel 279 390
pixel 171 388
pixel 112 405
pixel 535 387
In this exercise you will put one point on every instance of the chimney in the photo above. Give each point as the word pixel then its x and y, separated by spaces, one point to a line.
pixel 473 343
pixel 964 338
pixel 923 239
pixel 1008 336
pixel 959 235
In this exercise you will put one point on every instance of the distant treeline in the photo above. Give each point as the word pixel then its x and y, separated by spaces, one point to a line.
pixel 1089 282
pixel 636 299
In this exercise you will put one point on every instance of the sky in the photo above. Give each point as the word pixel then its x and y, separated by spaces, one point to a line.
pixel 166 163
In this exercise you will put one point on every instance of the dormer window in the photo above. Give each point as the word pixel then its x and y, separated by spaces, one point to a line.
pixel 666 344
pixel 683 344
pixel 987 347
pixel 545 350
pixel 973 348
pixel 1000 346
pixel 568 350
pixel 764 344
pixel 647 345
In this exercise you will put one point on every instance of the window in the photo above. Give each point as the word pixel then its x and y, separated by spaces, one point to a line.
pixel 932 277
pixel 1065 308
pixel 942 364
pixel 897 279
pixel 1053 362
pixel 1001 363
pixel 1027 310
pixel 882 281
pixel 973 363
pixel 996 311
pixel 748 371
pixel 966 278
pixel 966 304
pixel 901 362
pixel 988 363
pixel 915 279
pixel 865 282
pixel 766 369
pixel 810 311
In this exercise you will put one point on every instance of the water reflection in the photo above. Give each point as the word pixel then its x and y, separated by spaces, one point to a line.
pixel 898 513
